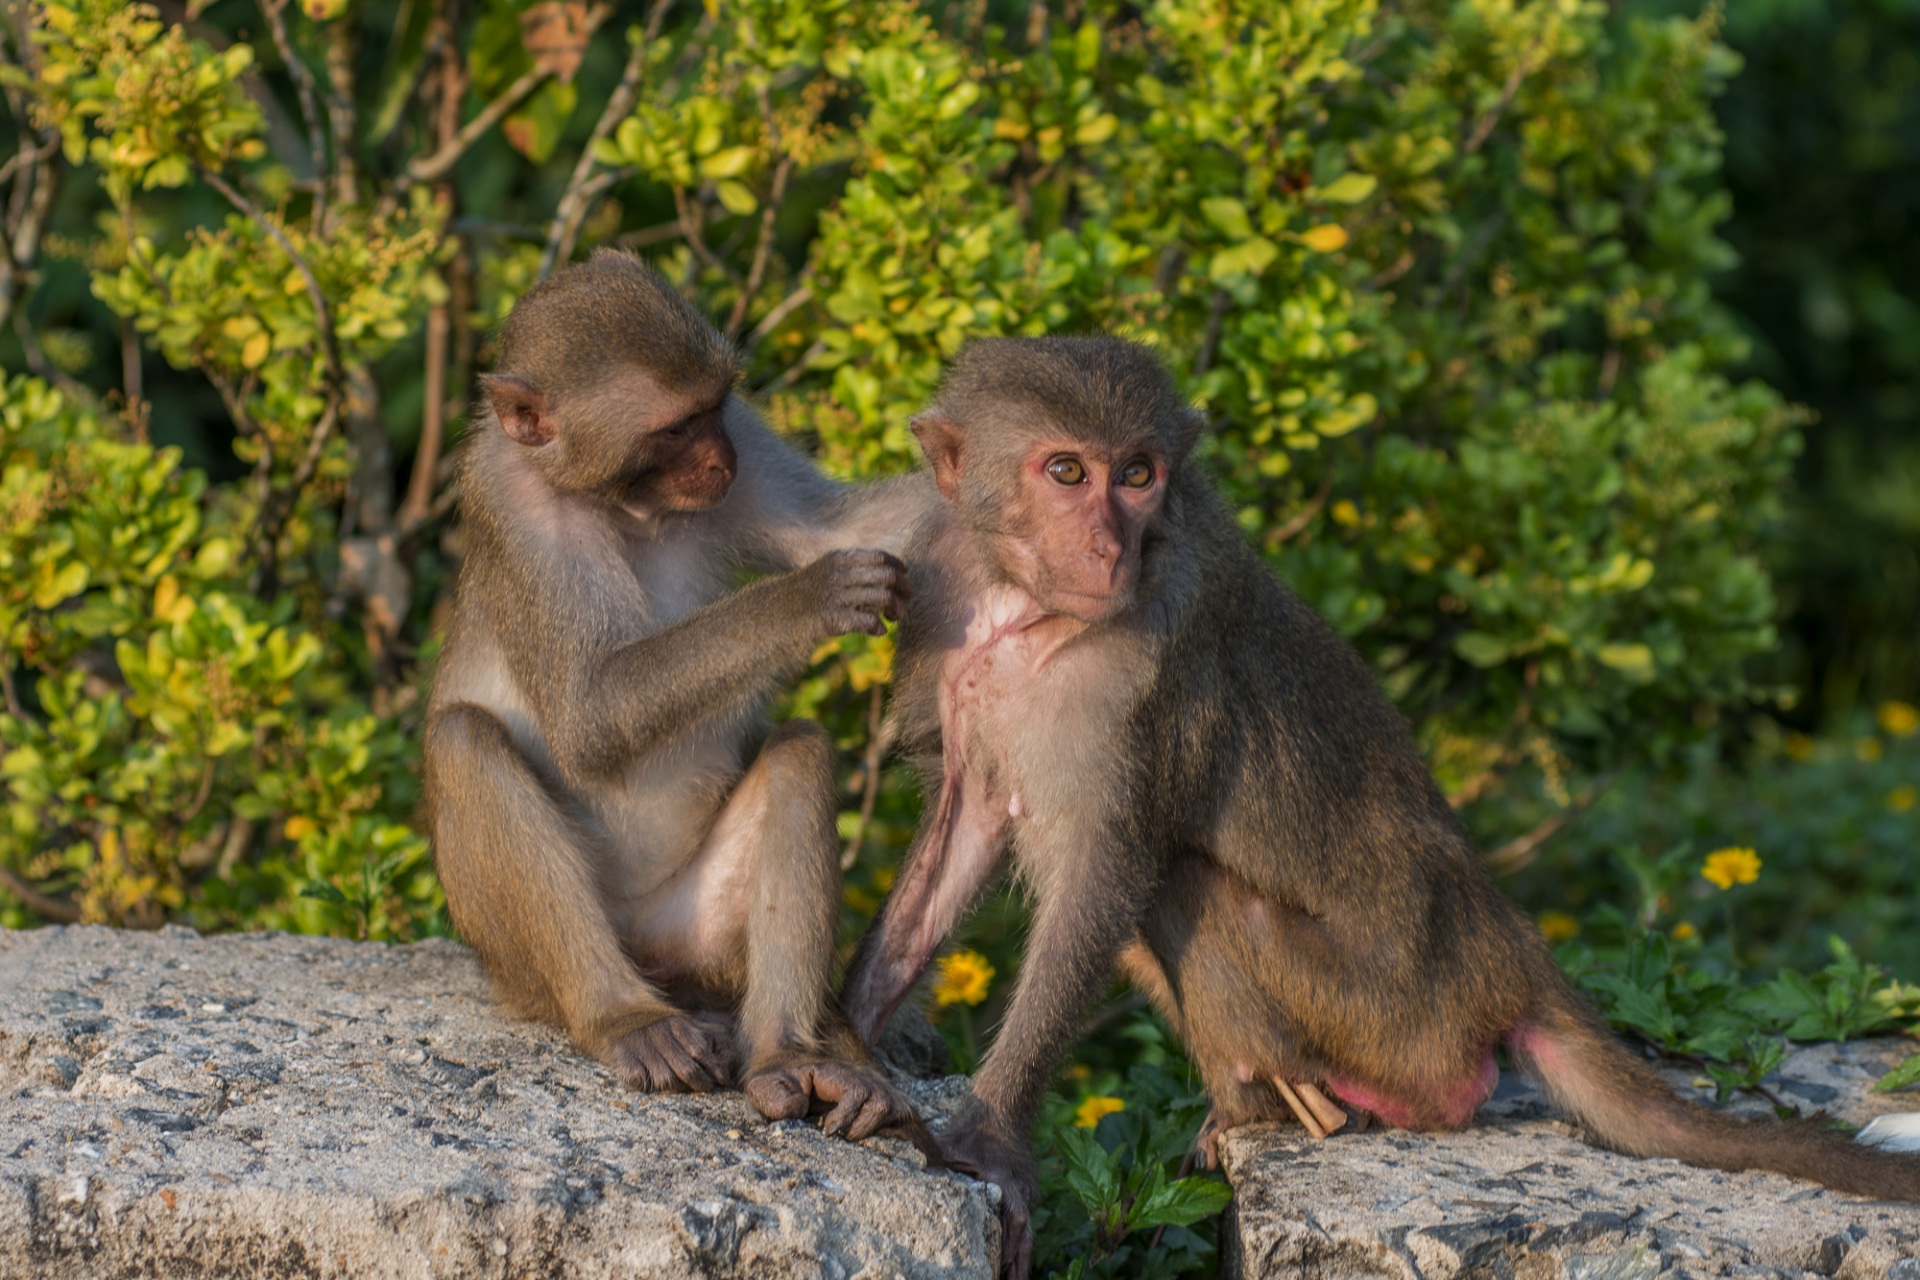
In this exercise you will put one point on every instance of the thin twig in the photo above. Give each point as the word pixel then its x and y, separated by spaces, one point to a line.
pixel 433 166
pixel 9 696
pixel 1523 848
pixel 692 223
pixel 1216 323
pixel 1488 122
pixel 870 786
pixel 763 245
pixel 573 206
pixel 794 370
pixel 297 71
pixel 54 909
pixel 787 306
pixel 340 113
pixel 645 236
pixel 1301 518
pixel 29 155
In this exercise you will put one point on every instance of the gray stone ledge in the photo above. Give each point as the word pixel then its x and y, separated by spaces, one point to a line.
pixel 276 1106
pixel 1519 1197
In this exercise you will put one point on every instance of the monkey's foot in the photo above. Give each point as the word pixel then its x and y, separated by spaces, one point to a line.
pixel 680 1053
pixel 857 1099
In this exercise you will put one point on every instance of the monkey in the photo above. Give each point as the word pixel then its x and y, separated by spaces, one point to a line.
pixel 634 856
pixel 1197 781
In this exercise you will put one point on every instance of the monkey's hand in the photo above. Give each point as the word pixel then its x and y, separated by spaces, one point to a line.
pixel 855 590
pixel 979 1145
pixel 857 1099
pixel 679 1053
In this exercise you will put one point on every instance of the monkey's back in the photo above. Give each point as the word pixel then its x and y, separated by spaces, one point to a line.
pixel 1272 764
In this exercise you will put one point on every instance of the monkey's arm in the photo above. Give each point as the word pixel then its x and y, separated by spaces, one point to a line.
pixel 787 514
pixel 635 696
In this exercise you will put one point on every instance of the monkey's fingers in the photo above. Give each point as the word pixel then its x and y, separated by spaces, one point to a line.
pixel 777 1095
pixel 706 1043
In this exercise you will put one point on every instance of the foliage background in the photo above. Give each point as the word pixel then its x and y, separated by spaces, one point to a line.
pixel 1568 368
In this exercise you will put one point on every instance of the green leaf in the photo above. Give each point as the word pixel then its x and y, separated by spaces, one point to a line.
pixel 323 891
pixel 1906 1075
pixel 1229 216
pixel 737 197
pixel 1249 259
pixel 1635 661
pixel 728 162
pixel 1480 649
pixel 1181 1204
pixel 1348 188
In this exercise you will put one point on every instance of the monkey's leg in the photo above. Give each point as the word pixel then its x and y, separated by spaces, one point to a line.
pixel 519 875
pixel 757 909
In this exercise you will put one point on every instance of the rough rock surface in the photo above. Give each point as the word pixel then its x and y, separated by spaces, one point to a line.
pixel 274 1106
pixel 1517 1196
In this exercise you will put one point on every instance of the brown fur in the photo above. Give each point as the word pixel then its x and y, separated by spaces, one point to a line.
pixel 1213 791
pixel 632 853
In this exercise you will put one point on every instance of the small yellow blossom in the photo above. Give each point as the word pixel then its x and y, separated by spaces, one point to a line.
pixel 1868 750
pixel 1091 1109
pixel 1728 867
pixel 964 977
pixel 1901 719
pixel 1558 926
pixel 1345 513
pixel 1901 799
pixel 1685 932
pixel 299 827
pixel 1799 746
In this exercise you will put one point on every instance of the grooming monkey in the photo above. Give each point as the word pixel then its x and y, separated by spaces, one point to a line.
pixel 1197 779
pixel 632 854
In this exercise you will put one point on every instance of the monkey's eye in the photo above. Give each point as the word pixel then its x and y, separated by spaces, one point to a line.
pixel 1067 470
pixel 1137 474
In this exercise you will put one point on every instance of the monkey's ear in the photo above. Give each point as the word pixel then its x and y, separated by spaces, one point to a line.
pixel 940 439
pixel 521 407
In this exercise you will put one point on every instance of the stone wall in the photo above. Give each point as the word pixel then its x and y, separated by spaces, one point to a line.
pixel 269 1106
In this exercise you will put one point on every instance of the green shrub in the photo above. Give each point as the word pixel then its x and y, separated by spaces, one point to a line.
pixel 1436 270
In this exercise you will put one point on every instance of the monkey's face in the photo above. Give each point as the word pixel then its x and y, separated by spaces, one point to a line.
pixel 688 464
pixel 1079 516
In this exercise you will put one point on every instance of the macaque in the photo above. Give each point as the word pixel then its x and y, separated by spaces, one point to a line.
pixel 1198 781
pixel 635 857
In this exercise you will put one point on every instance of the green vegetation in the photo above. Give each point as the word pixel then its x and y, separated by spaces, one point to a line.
pixel 1440 271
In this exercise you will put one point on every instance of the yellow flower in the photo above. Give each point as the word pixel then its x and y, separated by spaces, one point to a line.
pixel 1867 750
pixel 299 827
pixel 1799 746
pixel 1558 926
pixel 1728 867
pixel 1901 719
pixel 1345 513
pixel 1684 931
pixel 1091 1109
pixel 964 977
pixel 1901 799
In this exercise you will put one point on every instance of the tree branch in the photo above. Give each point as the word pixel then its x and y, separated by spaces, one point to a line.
pixel 322 319
pixel 574 205
pixel 55 909
pixel 274 12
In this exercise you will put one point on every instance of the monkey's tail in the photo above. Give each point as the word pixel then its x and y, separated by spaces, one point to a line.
pixel 1629 1107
